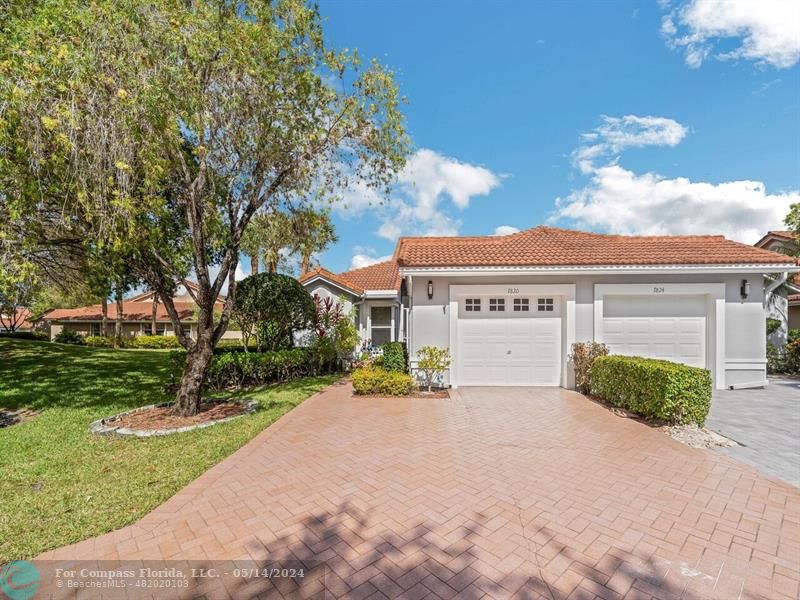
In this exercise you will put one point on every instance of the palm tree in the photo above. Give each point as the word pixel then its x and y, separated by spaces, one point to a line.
pixel 266 236
pixel 313 232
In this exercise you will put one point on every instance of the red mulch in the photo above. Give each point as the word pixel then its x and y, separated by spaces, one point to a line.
pixel 162 417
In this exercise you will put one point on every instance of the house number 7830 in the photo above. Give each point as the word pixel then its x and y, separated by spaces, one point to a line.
pixel 513 290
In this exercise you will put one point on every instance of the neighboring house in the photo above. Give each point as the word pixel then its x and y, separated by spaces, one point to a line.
pixel 784 306
pixel 137 316
pixel 510 307
pixel 17 320
pixel 376 295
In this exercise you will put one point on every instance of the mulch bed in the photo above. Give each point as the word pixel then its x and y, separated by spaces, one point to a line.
pixel 416 394
pixel 14 417
pixel 163 417
pixel 690 435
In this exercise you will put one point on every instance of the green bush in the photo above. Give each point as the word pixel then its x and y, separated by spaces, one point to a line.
pixel 583 356
pixel 773 325
pixel 395 357
pixel 245 369
pixel 322 354
pixel 39 336
pixel 99 341
pixel 382 382
pixel 656 389
pixel 67 336
pixel 154 342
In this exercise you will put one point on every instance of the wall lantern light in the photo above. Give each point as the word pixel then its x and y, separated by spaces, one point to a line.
pixel 430 290
pixel 744 290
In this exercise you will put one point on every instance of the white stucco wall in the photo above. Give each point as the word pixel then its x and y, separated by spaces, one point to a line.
pixel 744 322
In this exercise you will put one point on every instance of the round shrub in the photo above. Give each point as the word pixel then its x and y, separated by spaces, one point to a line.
pixel 381 382
pixel 67 336
pixel 154 342
pixel 99 341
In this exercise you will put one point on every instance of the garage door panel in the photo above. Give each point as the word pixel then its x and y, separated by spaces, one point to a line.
pixel 509 351
pixel 668 327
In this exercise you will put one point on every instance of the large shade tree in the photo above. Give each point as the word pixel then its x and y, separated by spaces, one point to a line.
pixel 159 129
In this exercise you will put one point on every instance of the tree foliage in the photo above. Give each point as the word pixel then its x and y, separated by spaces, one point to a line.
pixel 158 130
pixel 271 307
pixel 432 362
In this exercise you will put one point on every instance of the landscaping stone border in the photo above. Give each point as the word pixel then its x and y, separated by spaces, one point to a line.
pixel 106 426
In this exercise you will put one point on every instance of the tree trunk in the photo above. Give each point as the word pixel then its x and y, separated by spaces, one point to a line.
pixel 104 323
pixel 253 264
pixel 305 262
pixel 153 316
pixel 198 360
pixel 118 320
pixel 273 266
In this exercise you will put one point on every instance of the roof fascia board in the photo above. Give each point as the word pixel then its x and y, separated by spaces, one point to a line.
pixel 380 294
pixel 601 269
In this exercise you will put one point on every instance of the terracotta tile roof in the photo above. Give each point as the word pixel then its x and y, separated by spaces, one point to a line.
pixel 330 276
pixel 131 311
pixel 780 236
pixel 549 246
pixel 380 276
pixel 22 319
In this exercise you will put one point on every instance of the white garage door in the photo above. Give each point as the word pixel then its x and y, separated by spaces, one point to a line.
pixel 509 341
pixel 669 327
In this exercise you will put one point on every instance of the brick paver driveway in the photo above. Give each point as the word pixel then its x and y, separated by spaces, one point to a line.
pixel 492 493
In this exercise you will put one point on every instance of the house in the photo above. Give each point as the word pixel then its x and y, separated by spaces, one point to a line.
pixel 137 316
pixel 783 306
pixel 18 319
pixel 510 307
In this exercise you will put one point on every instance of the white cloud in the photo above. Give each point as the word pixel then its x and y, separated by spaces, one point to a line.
pixel 615 134
pixel 768 31
pixel 423 198
pixel 505 230
pixel 365 260
pixel 618 200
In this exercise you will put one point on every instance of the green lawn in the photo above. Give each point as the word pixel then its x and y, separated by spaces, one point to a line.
pixel 58 483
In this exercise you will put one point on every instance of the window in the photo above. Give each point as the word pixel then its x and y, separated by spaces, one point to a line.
pixel 544 305
pixel 95 328
pixel 472 305
pixel 497 304
pixel 381 325
pixel 521 305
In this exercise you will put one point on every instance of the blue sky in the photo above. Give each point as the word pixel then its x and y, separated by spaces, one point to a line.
pixel 692 113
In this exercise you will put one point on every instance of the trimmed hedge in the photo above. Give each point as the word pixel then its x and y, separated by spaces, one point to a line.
pixel 39 336
pixel 395 357
pixel 235 370
pixel 153 342
pixel 99 341
pixel 656 389
pixel 373 380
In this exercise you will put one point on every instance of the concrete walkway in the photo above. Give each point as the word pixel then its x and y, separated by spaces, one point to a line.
pixel 766 422
pixel 492 493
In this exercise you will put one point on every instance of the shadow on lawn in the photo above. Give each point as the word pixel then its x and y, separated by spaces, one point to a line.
pixel 43 375
pixel 345 557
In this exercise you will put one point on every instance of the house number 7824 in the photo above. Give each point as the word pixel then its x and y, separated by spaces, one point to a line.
pixel 658 290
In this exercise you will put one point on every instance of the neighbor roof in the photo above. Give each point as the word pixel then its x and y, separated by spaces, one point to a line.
pixel 783 236
pixel 550 246
pixel 333 277
pixel 380 276
pixel 131 311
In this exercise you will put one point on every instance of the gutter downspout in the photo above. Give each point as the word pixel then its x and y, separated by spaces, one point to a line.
pixel 782 277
